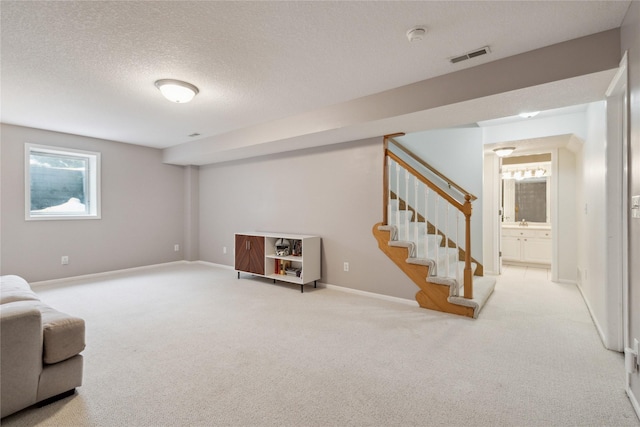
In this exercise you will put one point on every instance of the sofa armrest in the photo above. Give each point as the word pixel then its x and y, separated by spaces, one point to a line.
pixel 21 355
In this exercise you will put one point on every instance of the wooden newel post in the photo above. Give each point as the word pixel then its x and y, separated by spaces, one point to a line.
pixel 468 275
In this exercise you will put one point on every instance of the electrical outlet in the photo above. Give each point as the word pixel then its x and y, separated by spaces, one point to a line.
pixel 346 266
pixel 64 260
pixel 176 248
pixel 224 249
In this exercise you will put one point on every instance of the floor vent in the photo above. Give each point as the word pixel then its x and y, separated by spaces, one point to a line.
pixel 475 53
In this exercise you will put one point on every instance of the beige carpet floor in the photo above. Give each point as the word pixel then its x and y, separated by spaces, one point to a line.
pixel 191 345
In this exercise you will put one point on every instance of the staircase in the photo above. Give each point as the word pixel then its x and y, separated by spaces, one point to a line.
pixel 421 234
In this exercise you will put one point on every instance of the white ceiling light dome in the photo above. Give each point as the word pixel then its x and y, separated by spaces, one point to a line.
pixel 504 151
pixel 176 90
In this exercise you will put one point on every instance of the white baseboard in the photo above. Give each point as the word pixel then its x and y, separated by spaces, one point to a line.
pixel 568 282
pixel 213 264
pixel 603 338
pixel 102 274
pixel 369 294
pixel 634 401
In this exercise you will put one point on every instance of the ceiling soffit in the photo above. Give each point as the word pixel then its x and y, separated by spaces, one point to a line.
pixel 526 80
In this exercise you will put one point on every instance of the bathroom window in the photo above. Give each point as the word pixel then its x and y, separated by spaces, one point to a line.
pixel 61 183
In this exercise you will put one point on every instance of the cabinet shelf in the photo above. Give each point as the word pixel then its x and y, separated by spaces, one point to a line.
pixel 285 278
pixel 286 258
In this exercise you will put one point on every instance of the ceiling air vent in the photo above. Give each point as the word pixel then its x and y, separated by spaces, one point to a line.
pixel 469 55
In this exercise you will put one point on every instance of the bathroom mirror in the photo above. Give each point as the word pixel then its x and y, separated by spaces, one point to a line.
pixel 526 193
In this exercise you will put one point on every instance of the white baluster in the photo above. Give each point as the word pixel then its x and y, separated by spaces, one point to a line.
pixel 446 241
pixel 406 205
pixel 457 248
pixel 435 224
pixel 398 195
pixel 389 161
pixel 426 222
pixel 415 220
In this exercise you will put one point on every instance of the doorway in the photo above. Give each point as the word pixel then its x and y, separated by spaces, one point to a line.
pixel 525 203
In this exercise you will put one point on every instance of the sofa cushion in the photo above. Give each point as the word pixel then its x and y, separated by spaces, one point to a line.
pixel 63 335
pixel 15 288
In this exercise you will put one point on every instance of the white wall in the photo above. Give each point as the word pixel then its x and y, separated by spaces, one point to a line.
pixel 142 212
pixel 491 213
pixel 565 223
pixel 334 192
pixel 457 154
pixel 591 215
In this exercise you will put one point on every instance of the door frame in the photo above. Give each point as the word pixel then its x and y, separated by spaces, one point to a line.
pixel 617 152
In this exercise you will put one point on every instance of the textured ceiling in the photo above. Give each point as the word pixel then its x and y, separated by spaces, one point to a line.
pixel 88 67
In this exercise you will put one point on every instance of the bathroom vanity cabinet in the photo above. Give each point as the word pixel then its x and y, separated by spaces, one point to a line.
pixel 526 245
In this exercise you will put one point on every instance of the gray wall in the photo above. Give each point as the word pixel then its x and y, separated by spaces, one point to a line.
pixel 630 35
pixel 191 213
pixel 142 212
pixel 334 192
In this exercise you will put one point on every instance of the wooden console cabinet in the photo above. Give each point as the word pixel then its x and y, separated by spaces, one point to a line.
pixel 255 253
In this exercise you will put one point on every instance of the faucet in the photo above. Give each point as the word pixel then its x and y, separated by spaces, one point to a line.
pixel 523 223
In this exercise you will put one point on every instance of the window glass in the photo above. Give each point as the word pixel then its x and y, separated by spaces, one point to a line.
pixel 61 183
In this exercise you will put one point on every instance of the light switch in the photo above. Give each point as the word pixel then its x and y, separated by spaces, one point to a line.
pixel 635 207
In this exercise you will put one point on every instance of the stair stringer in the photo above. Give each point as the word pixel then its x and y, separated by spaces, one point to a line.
pixel 431 295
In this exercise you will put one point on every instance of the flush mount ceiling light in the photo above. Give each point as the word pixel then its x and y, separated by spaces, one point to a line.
pixel 416 33
pixel 503 151
pixel 176 90
pixel 529 114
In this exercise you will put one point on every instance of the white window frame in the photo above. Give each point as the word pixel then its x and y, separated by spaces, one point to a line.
pixel 93 184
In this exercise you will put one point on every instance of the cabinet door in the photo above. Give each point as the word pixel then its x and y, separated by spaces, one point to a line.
pixel 243 258
pixel 511 248
pixel 256 254
pixel 537 250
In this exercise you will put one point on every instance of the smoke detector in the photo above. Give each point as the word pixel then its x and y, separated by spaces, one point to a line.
pixel 416 33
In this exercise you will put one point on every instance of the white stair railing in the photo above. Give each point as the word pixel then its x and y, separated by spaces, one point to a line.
pixel 440 217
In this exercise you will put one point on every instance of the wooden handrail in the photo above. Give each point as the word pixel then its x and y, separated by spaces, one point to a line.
pixel 431 169
pixel 456 204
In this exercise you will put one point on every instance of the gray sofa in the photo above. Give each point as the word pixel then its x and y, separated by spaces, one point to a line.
pixel 40 349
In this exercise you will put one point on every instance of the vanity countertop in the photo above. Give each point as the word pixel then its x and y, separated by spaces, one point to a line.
pixel 527 227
